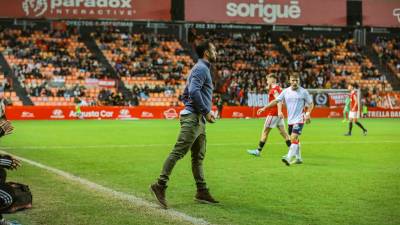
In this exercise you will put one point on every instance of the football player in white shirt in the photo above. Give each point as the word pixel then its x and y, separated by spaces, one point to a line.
pixel 295 98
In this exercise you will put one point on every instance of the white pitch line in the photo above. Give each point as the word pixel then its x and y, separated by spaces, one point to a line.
pixel 139 202
pixel 171 145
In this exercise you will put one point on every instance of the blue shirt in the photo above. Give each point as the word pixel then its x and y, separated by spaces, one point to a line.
pixel 197 95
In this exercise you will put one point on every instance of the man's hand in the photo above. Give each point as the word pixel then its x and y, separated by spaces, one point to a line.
pixel 260 111
pixel 210 117
pixel 10 162
pixel 308 118
pixel 280 115
pixel 6 126
pixel 15 163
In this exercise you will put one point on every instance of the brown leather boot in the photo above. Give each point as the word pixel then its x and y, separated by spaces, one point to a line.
pixel 158 192
pixel 204 196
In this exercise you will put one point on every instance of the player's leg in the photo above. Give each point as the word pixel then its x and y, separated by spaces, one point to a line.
pixel 361 126
pixel 355 120
pixel 282 131
pixel 294 149
pixel 352 116
pixel 263 140
pixel 299 159
pixel 285 157
pixel 350 127
pixel 297 130
pixel 269 122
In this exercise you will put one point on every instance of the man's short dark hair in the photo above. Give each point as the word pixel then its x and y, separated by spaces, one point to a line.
pixel 202 47
pixel 355 85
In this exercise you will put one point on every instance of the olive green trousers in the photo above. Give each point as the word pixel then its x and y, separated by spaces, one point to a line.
pixel 192 136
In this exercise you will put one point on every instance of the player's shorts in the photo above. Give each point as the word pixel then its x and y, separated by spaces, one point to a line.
pixel 274 121
pixel 295 128
pixel 354 115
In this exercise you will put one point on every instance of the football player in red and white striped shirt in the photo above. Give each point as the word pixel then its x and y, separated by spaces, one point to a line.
pixel 274 118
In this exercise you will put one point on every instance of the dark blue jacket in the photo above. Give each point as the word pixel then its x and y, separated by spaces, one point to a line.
pixel 197 95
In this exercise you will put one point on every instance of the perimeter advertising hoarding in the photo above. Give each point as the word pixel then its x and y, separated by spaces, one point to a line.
pixel 268 12
pixel 87 9
pixel 155 112
pixel 381 13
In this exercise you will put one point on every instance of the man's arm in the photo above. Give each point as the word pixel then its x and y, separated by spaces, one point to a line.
pixel 310 107
pixel 280 113
pixel 198 79
pixel 270 105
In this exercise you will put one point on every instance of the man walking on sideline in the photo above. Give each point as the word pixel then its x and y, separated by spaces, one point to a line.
pixel 197 98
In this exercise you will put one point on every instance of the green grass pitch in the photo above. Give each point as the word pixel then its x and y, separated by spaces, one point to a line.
pixel 344 180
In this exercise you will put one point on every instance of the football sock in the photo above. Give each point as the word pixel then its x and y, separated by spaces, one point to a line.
pixel 298 152
pixel 360 125
pixel 292 149
pixel 261 145
pixel 288 143
pixel 350 127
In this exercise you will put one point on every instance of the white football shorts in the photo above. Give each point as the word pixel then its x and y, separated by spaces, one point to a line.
pixel 354 115
pixel 274 121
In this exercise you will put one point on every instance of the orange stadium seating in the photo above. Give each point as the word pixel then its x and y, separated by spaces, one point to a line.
pixel 49 53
